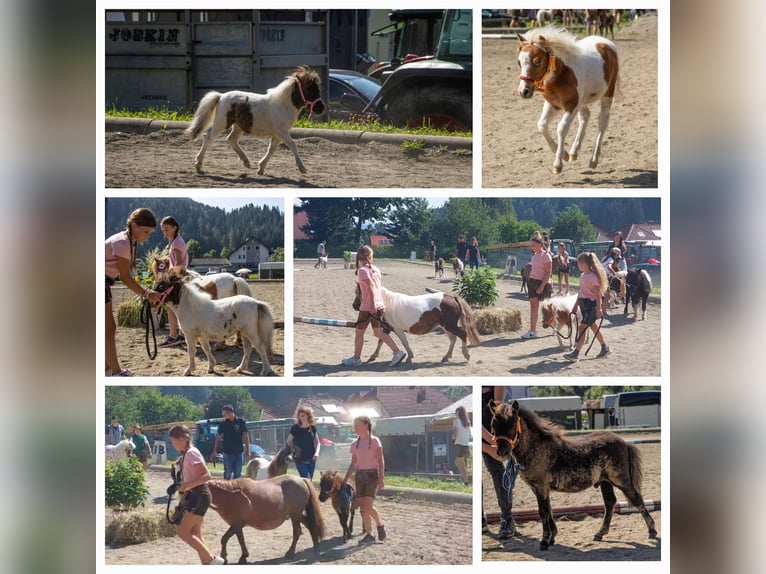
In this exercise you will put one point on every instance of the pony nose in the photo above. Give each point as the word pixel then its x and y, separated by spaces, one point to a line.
pixel 526 90
pixel 319 108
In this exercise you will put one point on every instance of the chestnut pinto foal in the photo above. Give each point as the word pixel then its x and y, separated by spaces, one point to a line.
pixel 571 75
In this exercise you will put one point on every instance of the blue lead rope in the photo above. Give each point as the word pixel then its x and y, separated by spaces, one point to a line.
pixel 347 492
pixel 512 469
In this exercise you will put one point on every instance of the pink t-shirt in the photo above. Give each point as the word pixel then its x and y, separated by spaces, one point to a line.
pixel 178 244
pixel 194 465
pixel 118 245
pixel 590 286
pixel 369 286
pixel 368 453
pixel 538 265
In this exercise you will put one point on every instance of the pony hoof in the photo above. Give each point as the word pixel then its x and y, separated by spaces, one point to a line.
pixel 572 157
pixel 302 169
pixel 566 156
pixel 593 164
pixel 247 164
pixel 652 534
pixel 555 170
pixel 260 171
pixel 242 560
pixel 598 537
pixel 187 373
pixel 543 545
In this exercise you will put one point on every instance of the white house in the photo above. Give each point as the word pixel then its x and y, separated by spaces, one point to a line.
pixel 249 254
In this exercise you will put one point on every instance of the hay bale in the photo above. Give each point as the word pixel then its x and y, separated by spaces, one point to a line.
pixel 490 321
pixel 137 526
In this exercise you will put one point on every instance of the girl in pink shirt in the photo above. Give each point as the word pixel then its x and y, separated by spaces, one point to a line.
pixel 369 467
pixel 121 264
pixel 370 309
pixel 539 282
pixel 194 478
pixel 593 285
pixel 179 256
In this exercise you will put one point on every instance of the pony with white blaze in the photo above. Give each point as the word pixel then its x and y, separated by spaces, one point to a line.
pixel 204 319
pixel 571 75
pixel 271 114
pixel 120 451
pixel 557 314
pixel 421 314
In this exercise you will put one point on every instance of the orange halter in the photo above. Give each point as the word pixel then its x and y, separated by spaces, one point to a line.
pixel 538 84
pixel 513 441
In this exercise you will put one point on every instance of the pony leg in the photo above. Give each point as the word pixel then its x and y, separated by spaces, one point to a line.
pixel 290 142
pixel 260 347
pixel 241 539
pixel 607 491
pixel 405 344
pixel 603 122
pixel 643 307
pixel 247 347
pixel 542 127
pixel 375 353
pixel 207 140
pixel 635 498
pixel 561 132
pixel 582 119
pixel 233 139
pixel 211 362
pixel 225 540
pixel 452 339
pixel 296 535
pixel 191 347
pixel 546 517
pixel 273 145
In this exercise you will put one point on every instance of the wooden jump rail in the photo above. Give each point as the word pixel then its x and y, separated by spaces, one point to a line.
pixel 525 514
pixel 326 322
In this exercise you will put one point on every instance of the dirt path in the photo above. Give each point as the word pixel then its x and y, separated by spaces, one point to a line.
pixel 416 535
pixel 166 159
pixel 627 538
pixel 329 293
pixel 515 153
pixel 172 361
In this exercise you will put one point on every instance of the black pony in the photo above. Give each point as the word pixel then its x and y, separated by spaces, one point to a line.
pixel 638 286
pixel 551 462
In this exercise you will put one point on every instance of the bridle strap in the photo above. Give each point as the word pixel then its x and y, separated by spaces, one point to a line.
pixel 309 104
pixel 515 439
pixel 539 84
pixel 164 295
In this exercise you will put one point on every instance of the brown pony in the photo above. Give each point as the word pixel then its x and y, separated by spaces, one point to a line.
pixel 265 505
pixel 342 498
pixel 525 272
pixel 549 461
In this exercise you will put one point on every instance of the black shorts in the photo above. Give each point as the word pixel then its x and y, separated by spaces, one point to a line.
pixel 588 308
pixel 109 282
pixel 562 271
pixel 533 284
pixel 366 483
pixel 461 451
pixel 198 500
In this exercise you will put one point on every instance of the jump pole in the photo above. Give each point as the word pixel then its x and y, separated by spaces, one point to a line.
pixel 326 322
pixel 432 290
pixel 525 514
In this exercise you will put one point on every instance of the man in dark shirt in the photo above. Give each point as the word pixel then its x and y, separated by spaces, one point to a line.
pixel 233 432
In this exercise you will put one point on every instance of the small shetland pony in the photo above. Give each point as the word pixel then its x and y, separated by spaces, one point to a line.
pixel 271 114
pixel 439 267
pixel 259 468
pixel 457 266
pixel 525 272
pixel 551 461
pixel 420 314
pixel 204 319
pixel 638 286
pixel 342 497
pixel 571 75
pixel 120 451
pixel 265 505
pixel 556 313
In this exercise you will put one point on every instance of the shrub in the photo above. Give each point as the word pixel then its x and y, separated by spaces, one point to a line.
pixel 349 256
pixel 478 287
pixel 125 484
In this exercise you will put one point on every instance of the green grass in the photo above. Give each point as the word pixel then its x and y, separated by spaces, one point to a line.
pixel 164 113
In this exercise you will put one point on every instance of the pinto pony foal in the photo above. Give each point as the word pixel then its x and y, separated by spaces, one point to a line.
pixel 571 75
pixel 556 313
pixel 271 114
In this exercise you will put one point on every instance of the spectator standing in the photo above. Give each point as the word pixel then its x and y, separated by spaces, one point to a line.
pixel 474 256
pixel 494 463
pixel 141 447
pixel 115 432
pixel 233 433
pixel 304 439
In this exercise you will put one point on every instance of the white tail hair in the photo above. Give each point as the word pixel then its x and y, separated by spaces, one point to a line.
pixel 204 115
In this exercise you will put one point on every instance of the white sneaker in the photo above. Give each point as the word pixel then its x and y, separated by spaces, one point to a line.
pixel 397 358
pixel 351 362
pixel 529 335
pixel 216 561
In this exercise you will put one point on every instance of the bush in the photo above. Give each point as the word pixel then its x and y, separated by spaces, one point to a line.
pixel 125 484
pixel 478 287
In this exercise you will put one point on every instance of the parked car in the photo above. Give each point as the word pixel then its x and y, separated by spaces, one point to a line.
pixel 349 92
pixel 255 450
pixel 495 18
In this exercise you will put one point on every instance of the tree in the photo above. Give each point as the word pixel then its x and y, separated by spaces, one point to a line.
pixel 225 252
pixel 468 216
pixel 278 254
pixel 512 231
pixel 573 224
pixel 409 225
pixel 211 254
pixel 238 397
pixel 194 248
pixel 147 405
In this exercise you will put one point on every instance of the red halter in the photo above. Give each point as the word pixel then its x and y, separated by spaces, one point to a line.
pixel 163 295
pixel 551 68
pixel 309 104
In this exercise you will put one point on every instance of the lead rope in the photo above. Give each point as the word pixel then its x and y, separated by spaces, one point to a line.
pixel 512 469
pixel 146 319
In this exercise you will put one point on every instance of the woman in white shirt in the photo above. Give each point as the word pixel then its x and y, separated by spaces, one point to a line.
pixel 461 434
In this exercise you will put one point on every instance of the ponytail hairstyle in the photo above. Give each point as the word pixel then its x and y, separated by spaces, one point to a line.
pixel 594 265
pixel 181 432
pixel 142 217
pixel 173 223
pixel 366 420
pixel 537 237
pixel 362 255
pixel 463 416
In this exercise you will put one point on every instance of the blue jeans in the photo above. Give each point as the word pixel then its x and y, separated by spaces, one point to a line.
pixel 306 469
pixel 232 465
pixel 474 264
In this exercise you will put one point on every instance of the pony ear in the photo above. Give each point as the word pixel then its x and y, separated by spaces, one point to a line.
pixel 515 406
pixel 522 39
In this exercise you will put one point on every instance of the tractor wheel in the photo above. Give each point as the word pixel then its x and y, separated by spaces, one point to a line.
pixel 438 106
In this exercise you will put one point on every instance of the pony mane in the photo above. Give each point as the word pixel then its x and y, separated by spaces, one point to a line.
pixel 564 43
pixel 541 425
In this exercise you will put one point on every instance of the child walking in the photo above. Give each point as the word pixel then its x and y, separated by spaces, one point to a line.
pixel 593 285
pixel 538 284
pixel 368 466
pixel 370 310
pixel 178 256
pixel 194 477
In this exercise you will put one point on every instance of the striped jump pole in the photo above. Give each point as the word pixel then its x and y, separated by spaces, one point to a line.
pixel 326 322
pixel 432 290
pixel 526 514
